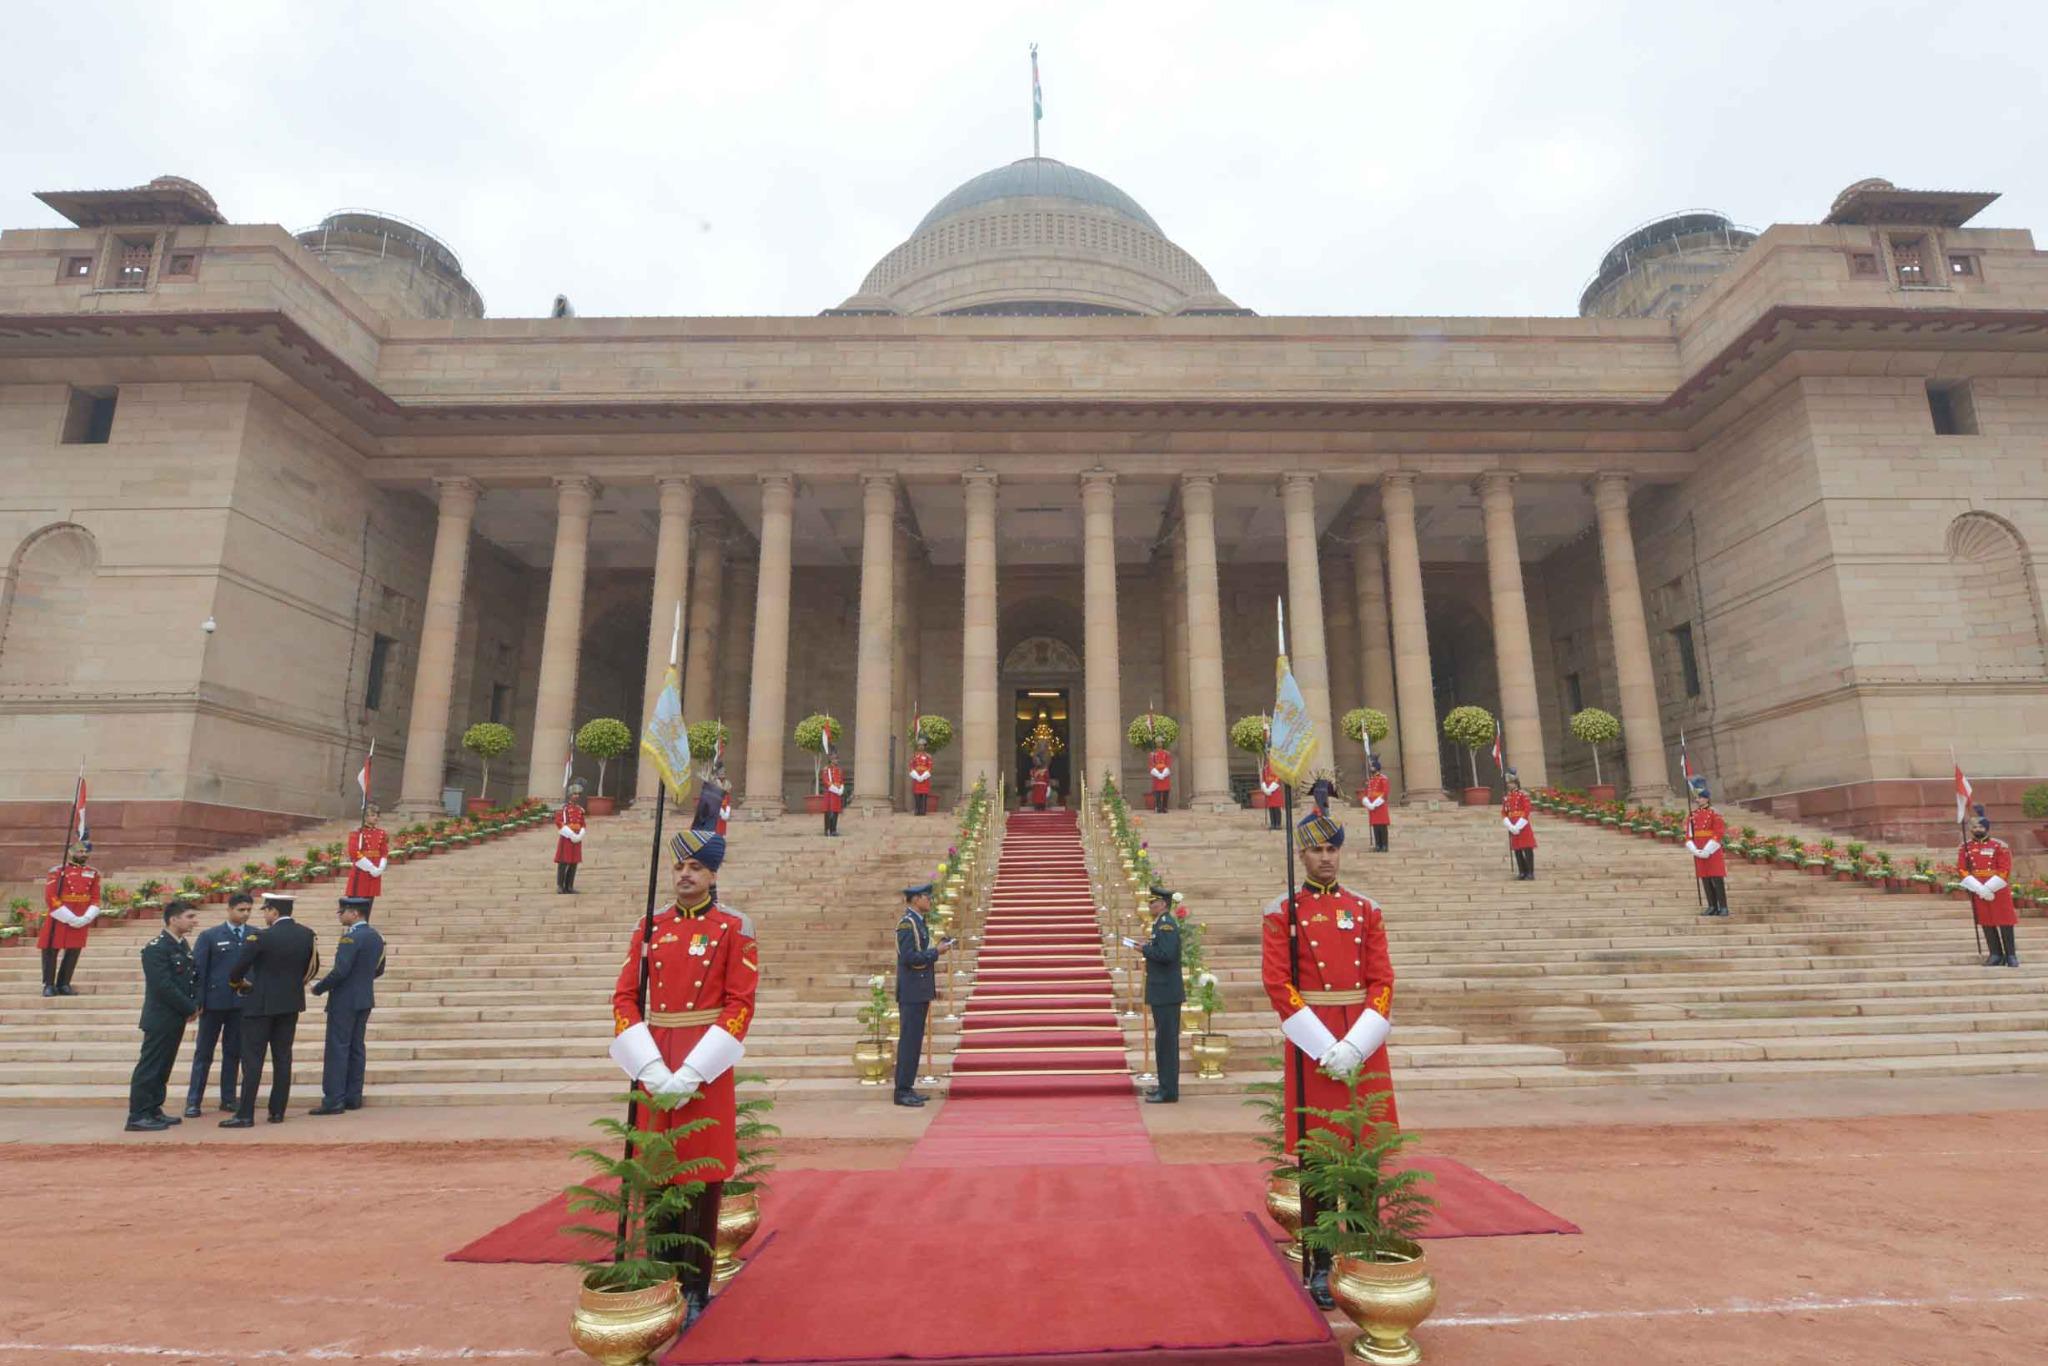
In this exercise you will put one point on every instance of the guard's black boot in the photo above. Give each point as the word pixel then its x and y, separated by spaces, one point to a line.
pixel 1319 1282
pixel 2008 933
pixel 64 971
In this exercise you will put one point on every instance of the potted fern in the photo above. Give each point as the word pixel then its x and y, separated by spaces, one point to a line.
pixel 1370 1212
pixel 632 1304
pixel 1596 728
pixel 739 1212
pixel 1472 728
pixel 604 739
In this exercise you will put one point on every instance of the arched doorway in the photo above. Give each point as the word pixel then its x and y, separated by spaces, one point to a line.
pixel 1462 669
pixel 1039 679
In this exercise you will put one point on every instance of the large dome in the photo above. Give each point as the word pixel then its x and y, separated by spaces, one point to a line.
pixel 1037 238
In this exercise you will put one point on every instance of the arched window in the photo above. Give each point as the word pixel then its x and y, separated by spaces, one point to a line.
pixel 2001 604
pixel 44 632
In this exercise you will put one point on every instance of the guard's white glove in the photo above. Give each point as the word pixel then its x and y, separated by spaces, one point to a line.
pixel 573 836
pixel 680 1084
pixel 1375 803
pixel 92 913
pixel 1343 1059
pixel 1708 850
pixel 1514 827
pixel 66 916
pixel 363 865
pixel 382 864
pixel 655 1075
pixel 1993 885
pixel 1974 887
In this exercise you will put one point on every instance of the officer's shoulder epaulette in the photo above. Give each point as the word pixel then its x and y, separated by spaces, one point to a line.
pixel 1277 906
pixel 746 922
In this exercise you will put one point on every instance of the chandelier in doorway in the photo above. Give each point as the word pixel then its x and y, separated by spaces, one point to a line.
pixel 1042 738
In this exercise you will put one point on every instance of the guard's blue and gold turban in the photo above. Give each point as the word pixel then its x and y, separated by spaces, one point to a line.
pixel 1317 828
pixel 702 845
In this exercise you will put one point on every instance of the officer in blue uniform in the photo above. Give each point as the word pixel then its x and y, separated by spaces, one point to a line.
pixel 916 985
pixel 1164 992
pixel 350 987
pixel 220 1007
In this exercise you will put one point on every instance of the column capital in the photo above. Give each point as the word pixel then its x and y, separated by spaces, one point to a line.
pixel 1609 488
pixel 878 490
pixel 678 493
pixel 978 478
pixel 1199 479
pixel 456 492
pixel 1495 484
pixel 775 478
pixel 1098 479
pixel 1398 479
pixel 680 481
pixel 583 482
pixel 1296 479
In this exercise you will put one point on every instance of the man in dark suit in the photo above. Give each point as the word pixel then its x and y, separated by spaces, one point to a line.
pixel 170 997
pixel 276 962
pixel 350 987
pixel 1164 992
pixel 916 985
pixel 220 1007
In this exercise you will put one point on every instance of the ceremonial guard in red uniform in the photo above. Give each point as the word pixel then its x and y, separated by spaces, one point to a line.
pixel 1269 787
pixel 1706 830
pixel 1514 814
pixel 369 854
pixel 1984 866
pixel 1041 784
pixel 714 798
pixel 1378 811
pixel 832 786
pixel 702 972
pixel 71 900
pixel 1162 780
pixel 921 779
pixel 569 831
pixel 1339 1013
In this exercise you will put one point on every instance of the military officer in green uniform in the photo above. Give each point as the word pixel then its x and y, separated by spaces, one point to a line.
pixel 170 999
pixel 1164 992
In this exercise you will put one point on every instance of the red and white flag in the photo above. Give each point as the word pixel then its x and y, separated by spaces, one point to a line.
pixel 1962 793
pixel 1685 761
pixel 1498 757
pixel 80 831
pixel 363 777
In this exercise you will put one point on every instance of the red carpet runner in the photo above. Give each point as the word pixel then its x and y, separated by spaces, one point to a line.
pixel 1041 1020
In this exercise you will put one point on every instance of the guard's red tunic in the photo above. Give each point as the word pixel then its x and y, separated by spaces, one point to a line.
pixel 921 774
pixel 1377 789
pixel 703 971
pixel 1041 782
pixel 1707 825
pixel 724 812
pixel 374 844
pixel 830 777
pixel 1344 970
pixel 74 887
pixel 1162 762
pixel 1515 807
pixel 1269 785
pixel 1982 859
pixel 570 817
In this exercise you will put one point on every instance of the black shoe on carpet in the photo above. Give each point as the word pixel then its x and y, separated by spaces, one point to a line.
pixel 193 1112
pixel 237 1122
pixel 328 1110
pixel 148 1124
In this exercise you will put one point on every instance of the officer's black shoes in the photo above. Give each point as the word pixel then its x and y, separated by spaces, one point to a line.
pixel 166 1120
pixel 1154 1098
pixel 49 989
pixel 237 1122
pixel 352 1105
pixel 147 1124
pixel 273 1119
pixel 1996 960
pixel 329 1110
pixel 693 1302
pixel 1319 1289
pixel 67 990
pixel 2012 960
pixel 193 1112
pixel 909 1099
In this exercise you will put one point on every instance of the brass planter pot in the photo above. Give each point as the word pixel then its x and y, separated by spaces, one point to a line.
pixel 1212 1053
pixel 1283 1202
pixel 1386 1299
pixel 739 1218
pixel 1190 1018
pixel 873 1061
pixel 626 1327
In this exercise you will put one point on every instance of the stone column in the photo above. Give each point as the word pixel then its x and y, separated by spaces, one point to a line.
pixel 875 661
pixel 1514 659
pixel 980 754
pixel 671 569
pixel 1100 663
pixel 1172 645
pixel 1306 650
pixel 1340 625
pixel 903 676
pixel 768 709
pixel 737 657
pixel 701 625
pixel 433 681
pixel 561 642
pixel 1375 648
pixel 1642 729
pixel 1177 666
pixel 1422 766
pixel 1208 741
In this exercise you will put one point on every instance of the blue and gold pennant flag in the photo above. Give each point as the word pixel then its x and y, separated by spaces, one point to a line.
pixel 1293 743
pixel 666 741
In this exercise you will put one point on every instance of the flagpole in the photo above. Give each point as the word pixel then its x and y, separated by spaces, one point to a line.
pixel 1978 940
pixel 1035 115
pixel 365 815
pixel 1685 781
pixel 646 939
pixel 71 817
pixel 1295 1055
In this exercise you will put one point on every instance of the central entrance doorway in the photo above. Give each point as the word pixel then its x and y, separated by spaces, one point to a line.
pixel 1041 719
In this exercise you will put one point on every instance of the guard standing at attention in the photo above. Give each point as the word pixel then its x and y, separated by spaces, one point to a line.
pixel 220 1007
pixel 1984 866
pixel 570 827
pixel 1377 812
pixel 1514 814
pixel 71 900
pixel 703 969
pixel 369 854
pixel 170 998
pixel 1164 992
pixel 1340 1012
pixel 1705 831
pixel 921 778
pixel 916 986
pixel 276 962
pixel 1162 779
pixel 350 987
pixel 714 800
pixel 832 786
pixel 1269 784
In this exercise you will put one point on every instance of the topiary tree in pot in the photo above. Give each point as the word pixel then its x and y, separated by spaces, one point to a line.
pixel 487 740
pixel 1472 727
pixel 604 738
pixel 2034 804
pixel 1596 728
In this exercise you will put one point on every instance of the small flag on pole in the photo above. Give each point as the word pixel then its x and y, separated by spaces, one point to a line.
pixel 1963 790
pixel 568 769
pixel 667 739
pixel 80 830
pixel 1292 747
pixel 1499 759
pixel 363 777
pixel 1685 762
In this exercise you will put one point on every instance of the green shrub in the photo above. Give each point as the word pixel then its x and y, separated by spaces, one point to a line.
pixel 938 732
pixel 1248 733
pixel 486 740
pixel 604 738
pixel 1360 722
pixel 1153 730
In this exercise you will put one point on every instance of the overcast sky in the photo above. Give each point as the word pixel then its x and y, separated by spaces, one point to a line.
pixel 1442 158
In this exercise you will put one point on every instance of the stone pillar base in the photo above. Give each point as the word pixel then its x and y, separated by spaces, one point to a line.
pixel 870 806
pixel 1430 800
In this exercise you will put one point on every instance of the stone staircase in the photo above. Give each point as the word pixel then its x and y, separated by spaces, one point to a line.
pixel 498 990
pixel 1603 973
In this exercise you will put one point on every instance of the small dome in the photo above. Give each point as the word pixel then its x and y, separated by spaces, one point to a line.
pixel 1038 178
pixel 190 187
pixel 1873 183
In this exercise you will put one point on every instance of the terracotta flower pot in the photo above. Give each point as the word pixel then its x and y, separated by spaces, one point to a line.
pixel 1478 796
pixel 1600 792
pixel 601 806
pixel 814 805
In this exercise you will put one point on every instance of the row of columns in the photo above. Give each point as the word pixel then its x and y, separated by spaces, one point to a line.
pixel 1384 615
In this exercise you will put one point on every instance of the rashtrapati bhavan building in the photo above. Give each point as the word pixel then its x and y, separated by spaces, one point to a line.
pixel 1786 492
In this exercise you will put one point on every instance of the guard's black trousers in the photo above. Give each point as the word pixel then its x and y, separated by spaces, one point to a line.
pixel 909 1043
pixel 56 974
pixel 1716 889
pixel 225 1028
pixel 1379 838
pixel 152 1075
pixel 271 1034
pixel 1166 1049
pixel 1159 800
pixel 831 822
pixel 922 799
pixel 565 876
pixel 341 1065
pixel 693 1265
pixel 1525 863
pixel 1273 818
pixel 1998 939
